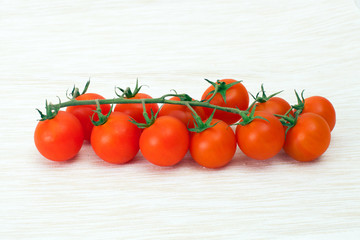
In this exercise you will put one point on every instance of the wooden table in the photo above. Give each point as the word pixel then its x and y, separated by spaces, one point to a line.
pixel 48 46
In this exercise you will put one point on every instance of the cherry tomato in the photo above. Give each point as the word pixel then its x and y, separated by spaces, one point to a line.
pixel 135 110
pixel 59 138
pixel 236 97
pixel 85 112
pixel 117 140
pixel 215 146
pixel 309 138
pixel 261 139
pixel 274 105
pixel 322 107
pixel 165 142
pixel 181 112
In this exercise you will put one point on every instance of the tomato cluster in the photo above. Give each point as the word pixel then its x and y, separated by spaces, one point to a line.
pixel 164 134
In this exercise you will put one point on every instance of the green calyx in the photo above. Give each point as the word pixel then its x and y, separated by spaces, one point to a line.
pixel 76 92
pixel 247 118
pixel 127 92
pixel 221 88
pixel 51 111
pixel 199 124
pixel 263 98
pixel 288 120
pixel 148 120
pixel 299 107
pixel 102 118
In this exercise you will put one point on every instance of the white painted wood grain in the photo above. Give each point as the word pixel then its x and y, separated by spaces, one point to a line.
pixel 47 46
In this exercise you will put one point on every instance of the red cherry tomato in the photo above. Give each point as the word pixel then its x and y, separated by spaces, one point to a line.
pixel 85 112
pixel 274 105
pixel 165 142
pixel 261 139
pixel 181 112
pixel 309 138
pixel 135 110
pixel 59 138
pixel 117 140
pixel 322 107
pixel 236 97
pixel 215 146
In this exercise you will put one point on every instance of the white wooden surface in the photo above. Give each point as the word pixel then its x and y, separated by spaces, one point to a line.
pixel 47 46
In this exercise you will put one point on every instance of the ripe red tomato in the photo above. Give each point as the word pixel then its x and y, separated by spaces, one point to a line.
pixel 236 97
pixel 85 112
pixel 322 107
pixel 165 142
pixel 117 140
pixel 309 138
pixel 274 105
pixel 59 138
pixel 181 112
pixel 215 146
pixel 135 110
pixel 261 139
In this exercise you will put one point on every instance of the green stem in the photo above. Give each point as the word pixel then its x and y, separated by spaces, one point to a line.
pixel 151 100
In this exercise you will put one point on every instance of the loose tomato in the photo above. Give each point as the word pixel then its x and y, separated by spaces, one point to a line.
pixel 236 97
pixel 59 138
pixel 309 138
pixel 135 110
pixel 181 112
pixel 117 140
pixel 322 107
pixel 275 105
pixel 261 139
pixel 165 142
pixel 85 112
pixel 215 146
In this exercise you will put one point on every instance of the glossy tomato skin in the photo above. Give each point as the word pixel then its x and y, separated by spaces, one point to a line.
pixel 59 138
pixel 165 142
pixel 215 146
pixel 308 139
pixel 135 110
pixel 236 97
pixel 274 105
pixel 117 140
pixel 85 112
pixel 181 112
pixel 261 139
pixel 322 107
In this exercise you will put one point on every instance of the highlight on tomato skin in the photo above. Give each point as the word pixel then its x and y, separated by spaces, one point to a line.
pixel 117 140
pixel 85 112
pixel 309 138
pixel 165 142
pixel 59 138
pixel 214 147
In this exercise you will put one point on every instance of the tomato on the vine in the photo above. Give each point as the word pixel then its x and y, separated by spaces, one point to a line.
pixel 85 112
pixel 59 138
pixel 261 138
pixel 309 138
pixel 215 146
pixel 181 112
pixel 135 110
pixel 231 93
pixel 322 107
pixel 117 140
pixel 165 142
